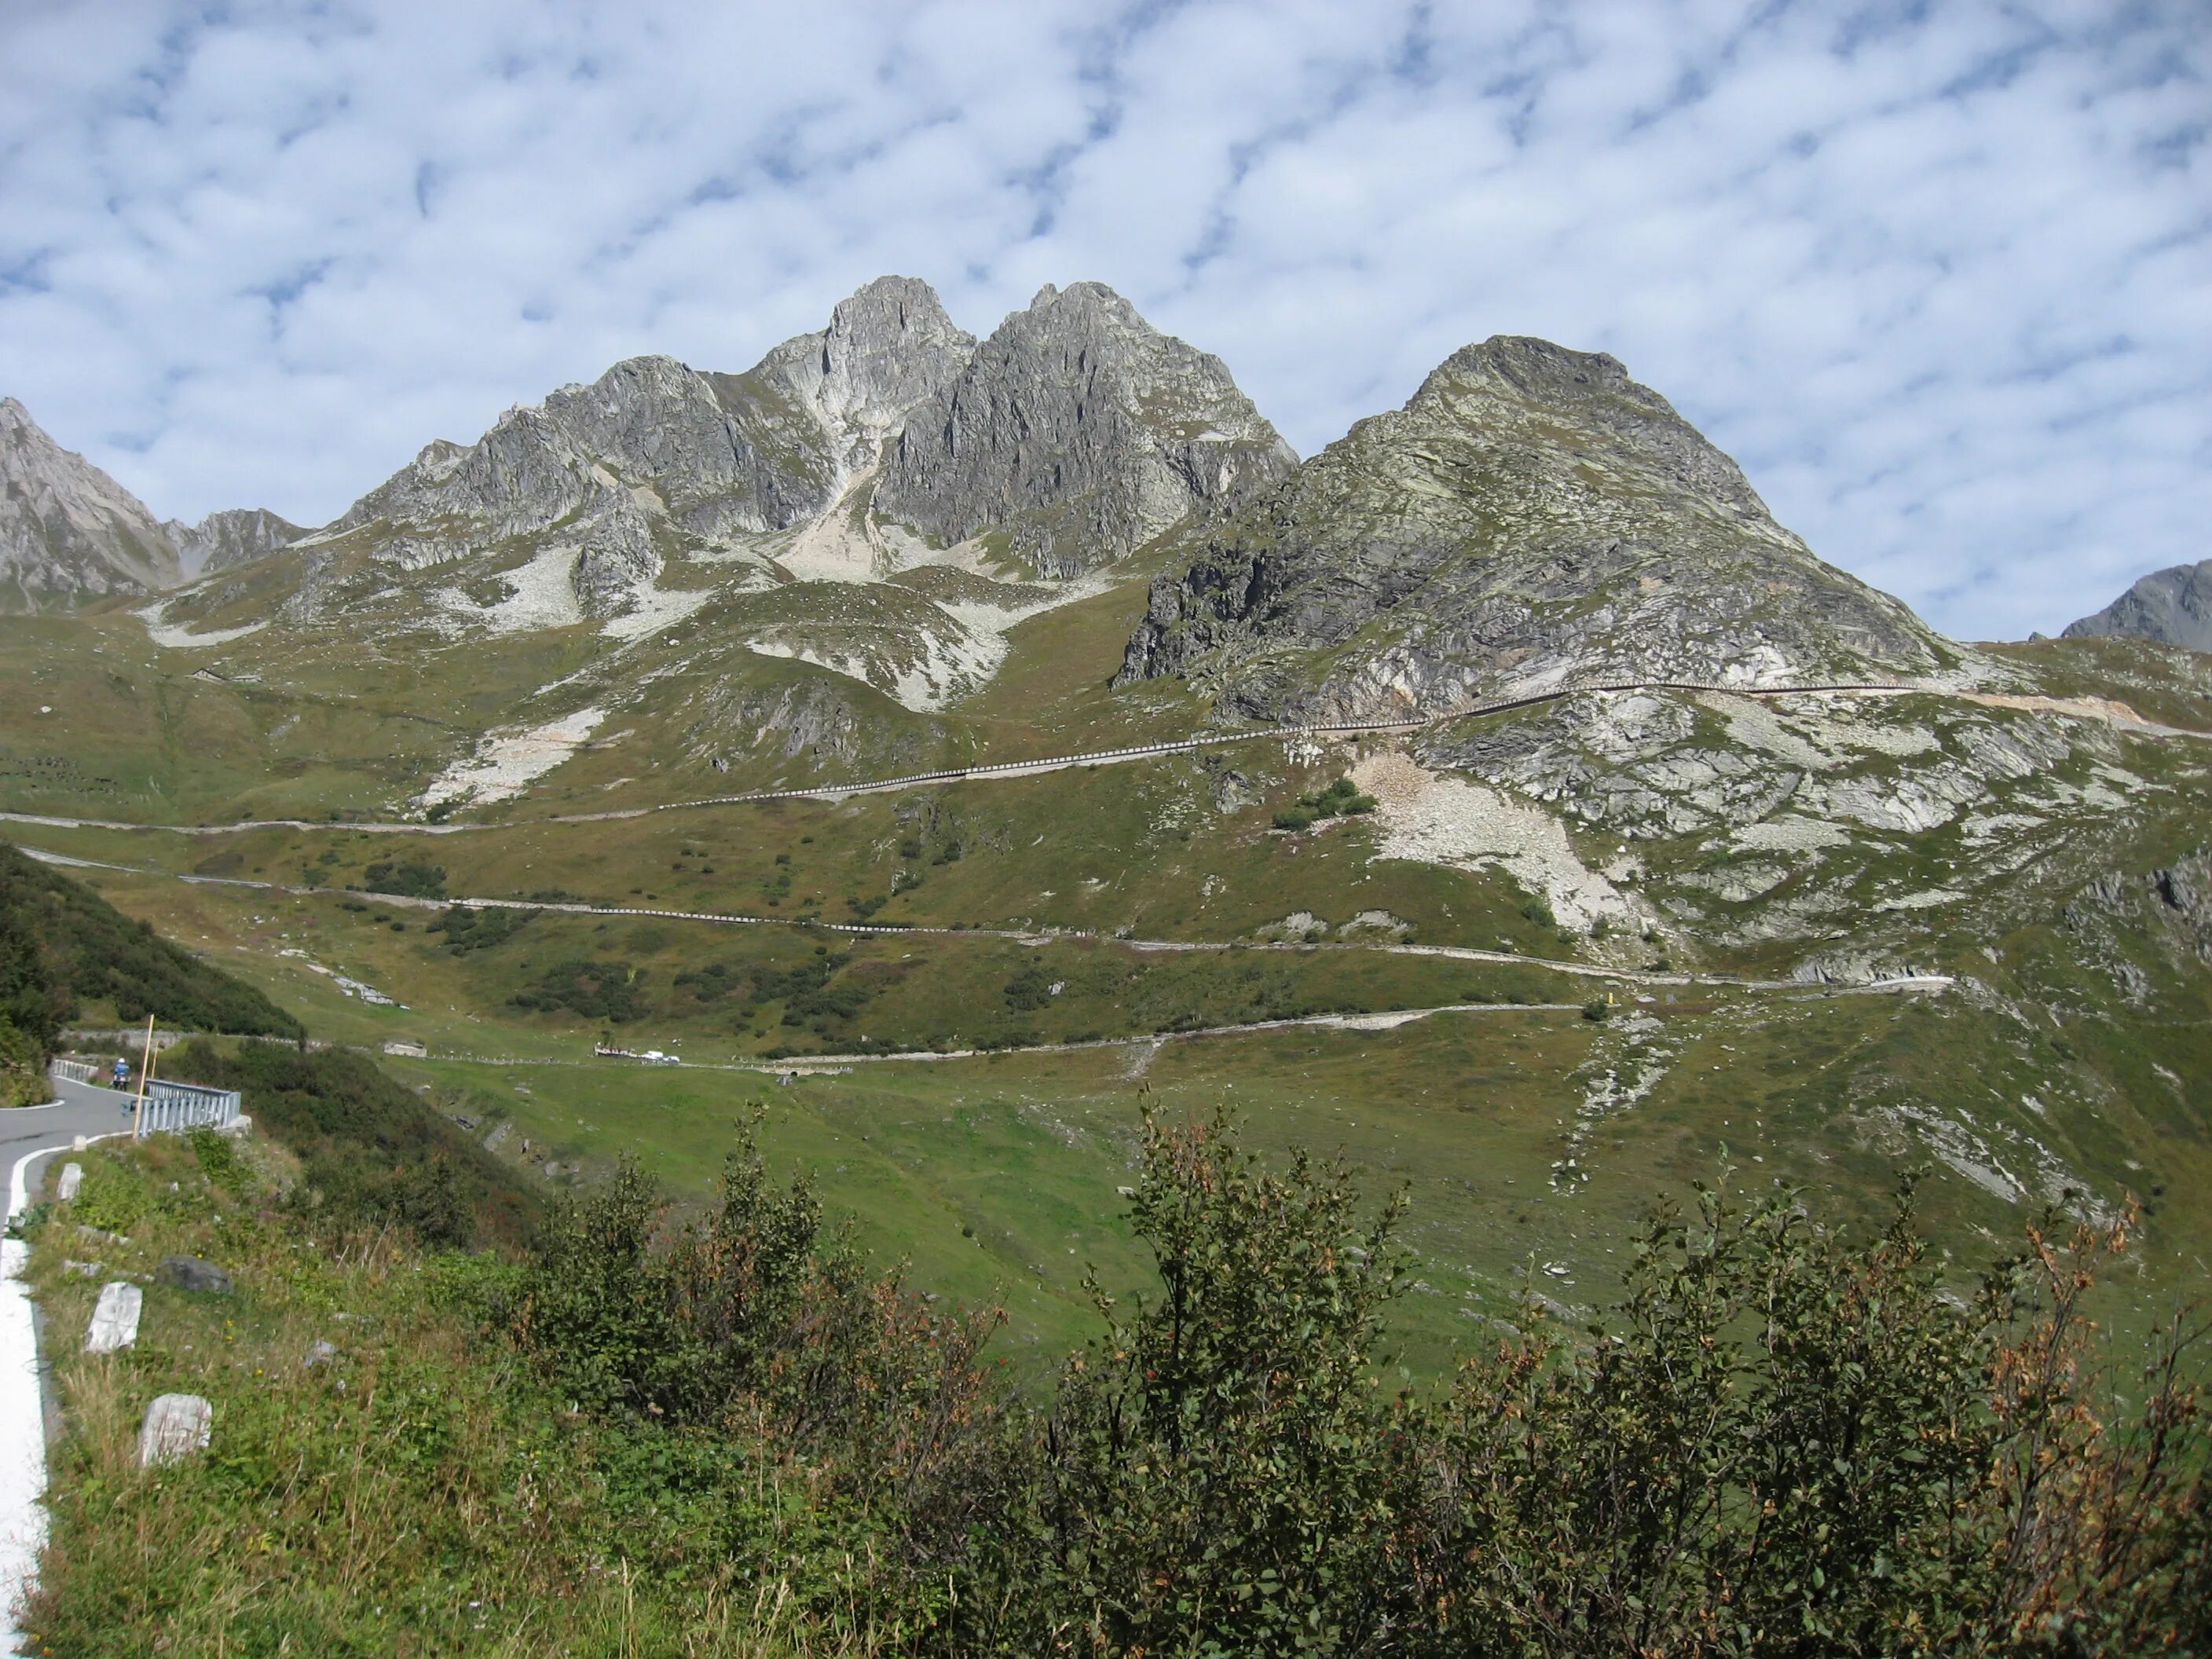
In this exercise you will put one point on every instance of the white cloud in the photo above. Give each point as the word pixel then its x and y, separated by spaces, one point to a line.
pixel 1940 276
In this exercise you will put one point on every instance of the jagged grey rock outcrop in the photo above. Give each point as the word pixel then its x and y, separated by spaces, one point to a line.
pixel 711 453
pixel 67 530
pixel 1081 431
pixel 714 454
pixel 618 557
pixel 2173 607
pixel 235 536
pixel 1529 514
pixel 889 348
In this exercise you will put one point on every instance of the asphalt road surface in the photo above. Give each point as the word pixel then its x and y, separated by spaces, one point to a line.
pixel 82 1110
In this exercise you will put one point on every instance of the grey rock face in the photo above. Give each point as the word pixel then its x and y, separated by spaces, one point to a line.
pixel 1531 512
pixel 617 557
pixel 2173 607
pixel 714 454
pixel 236 537
pixel 67 530
pixel 1082 432
pixel 889 348
pixel 189 1273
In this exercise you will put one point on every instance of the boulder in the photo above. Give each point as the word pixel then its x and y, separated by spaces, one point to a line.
pixel 189 1272
pixel 176 1426
pixel 115 1318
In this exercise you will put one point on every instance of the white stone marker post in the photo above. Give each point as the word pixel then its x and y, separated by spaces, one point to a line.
pixel 115 1318
pixel 176 1426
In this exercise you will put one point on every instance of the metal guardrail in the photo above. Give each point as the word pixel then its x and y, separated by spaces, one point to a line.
pixel 169 1108
pixel 172 1106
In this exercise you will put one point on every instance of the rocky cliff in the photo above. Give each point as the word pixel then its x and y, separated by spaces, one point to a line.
pixel 2173 607
pixel 845 458
pixel 711 453
pixel 1081 431
pixel 235 536
pixel 1530 514
pixel 67 530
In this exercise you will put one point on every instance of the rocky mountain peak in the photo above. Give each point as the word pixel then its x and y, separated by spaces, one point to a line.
pixel 1517 378
pixel 2173 607
pixel 66 528
pixel 1531 514
pixel 889 347
pixel 1079 432
pixel 234 536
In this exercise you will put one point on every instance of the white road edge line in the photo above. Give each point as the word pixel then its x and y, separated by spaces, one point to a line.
pixel 22 1412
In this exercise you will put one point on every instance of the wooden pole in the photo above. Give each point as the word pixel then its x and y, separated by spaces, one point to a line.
pixel 145 1072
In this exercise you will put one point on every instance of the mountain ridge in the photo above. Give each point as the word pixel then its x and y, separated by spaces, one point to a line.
pixel 2169 607
pixel 1530 513
pixel 67 530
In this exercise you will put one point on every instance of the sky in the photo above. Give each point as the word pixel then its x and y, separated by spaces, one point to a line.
pixel 1939 274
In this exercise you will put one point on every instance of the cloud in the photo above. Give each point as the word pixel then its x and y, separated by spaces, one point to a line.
pixel 1940 276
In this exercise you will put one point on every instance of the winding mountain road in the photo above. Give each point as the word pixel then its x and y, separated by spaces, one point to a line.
pixel 2113 713
pixel 1032 937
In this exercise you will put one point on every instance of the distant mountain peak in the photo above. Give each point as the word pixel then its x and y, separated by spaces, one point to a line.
pixel 67 530
pixel 889 347
pixel 222 541
pixel 1079 432
pixel 2172 606
pixel 1530 514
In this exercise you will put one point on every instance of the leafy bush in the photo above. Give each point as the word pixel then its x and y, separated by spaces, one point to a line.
pixel 1219 1472
pixel 754 1313
pixel 372 1152
pixel 411 878
pixel 601 990
pixel 219 1160
pixel 1342 799
pixel 467 928
pixel 1029 989
pixel 22 1066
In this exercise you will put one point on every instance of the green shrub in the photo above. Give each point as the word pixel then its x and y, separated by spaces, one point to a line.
pixel 219 1160
pixel 1340 800
pixel 1029 989
pixel 408 878
pixel 372 1152
pixel 590 987
pixel 468 928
